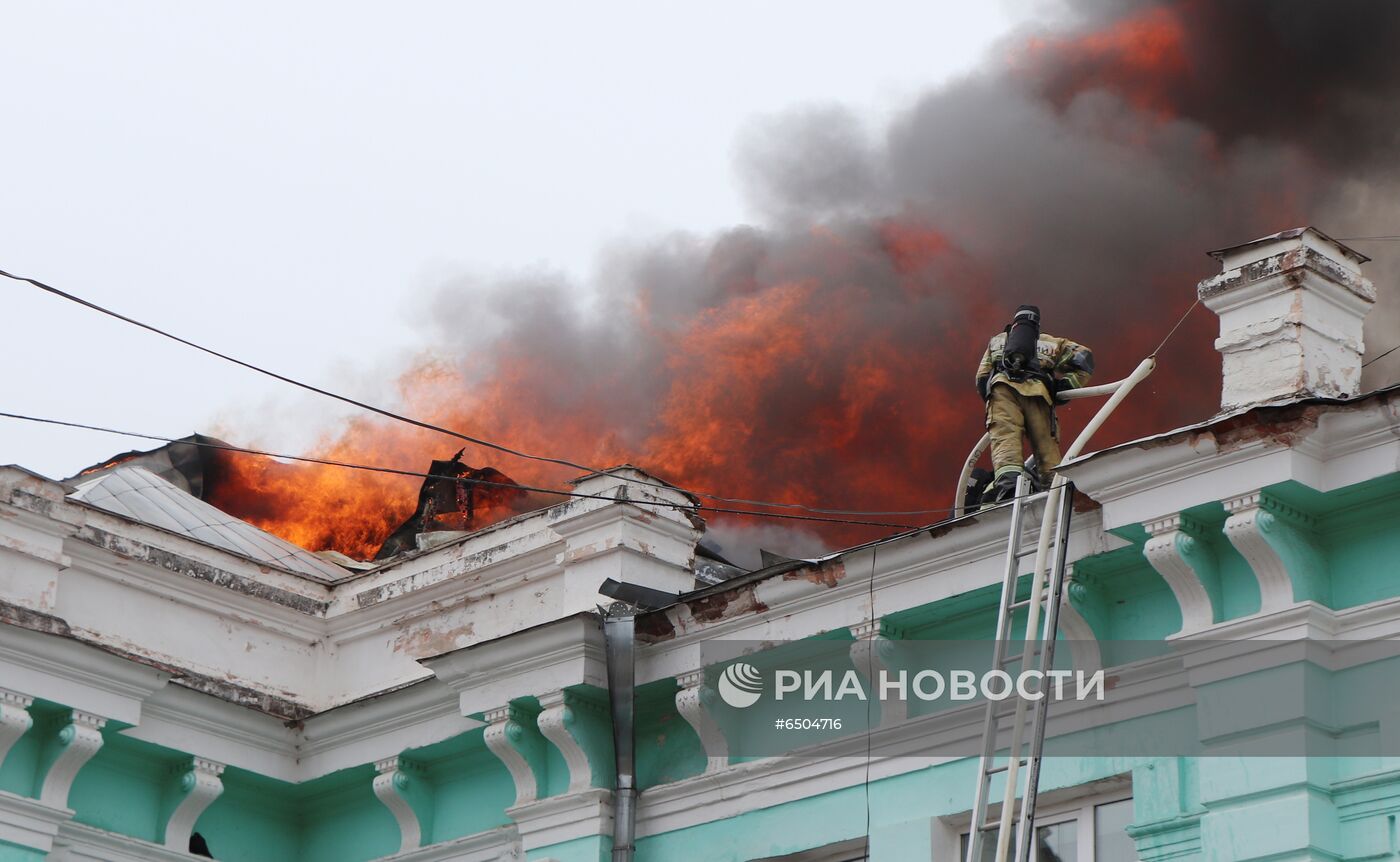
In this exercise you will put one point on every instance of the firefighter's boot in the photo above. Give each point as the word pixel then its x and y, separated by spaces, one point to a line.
pixel 1003 489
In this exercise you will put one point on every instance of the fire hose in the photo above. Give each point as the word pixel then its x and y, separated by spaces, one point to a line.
pixel 1118 389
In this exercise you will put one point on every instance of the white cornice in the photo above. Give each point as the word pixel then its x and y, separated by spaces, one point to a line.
pixel 453 580
pixel 254 610
pixel 362 732
pixel 207 726
pixel 28 822
pixel 77 842
pixel 910 571
pixel 557 819
pixel 133 536
pixel 551 657
pixel 1338 446
pixel 74 674
pixel 421 714
pixel 496 845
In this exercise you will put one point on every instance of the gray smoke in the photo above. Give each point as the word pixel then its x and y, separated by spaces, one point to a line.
pixel 827 353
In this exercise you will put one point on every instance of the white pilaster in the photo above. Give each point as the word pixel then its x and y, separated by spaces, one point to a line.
pixel 201 785
pixel 693 702
pixel 80 740
pixel 391 786
pixel 1273 540
pixel 559 723
pixel 1166 550
pixel 14 719
pixel 504 736
pixel 869 654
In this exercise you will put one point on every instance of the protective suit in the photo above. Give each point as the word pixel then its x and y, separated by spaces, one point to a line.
pixel 1021 375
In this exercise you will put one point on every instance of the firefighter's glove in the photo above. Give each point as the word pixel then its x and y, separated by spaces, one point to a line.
pixel 1061 386
pixel 982 386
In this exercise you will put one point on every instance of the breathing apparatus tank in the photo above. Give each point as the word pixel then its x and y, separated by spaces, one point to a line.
pixel 1019 354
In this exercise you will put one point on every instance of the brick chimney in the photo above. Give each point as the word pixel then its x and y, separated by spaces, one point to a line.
pixel 1291 308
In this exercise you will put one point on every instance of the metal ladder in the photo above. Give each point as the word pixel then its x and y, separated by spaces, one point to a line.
pixel 1051 542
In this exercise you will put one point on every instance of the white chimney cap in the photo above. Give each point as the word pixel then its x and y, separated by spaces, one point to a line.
pixel 1266 246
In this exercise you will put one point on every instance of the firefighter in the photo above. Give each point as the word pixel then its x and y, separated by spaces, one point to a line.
pixel 1021 377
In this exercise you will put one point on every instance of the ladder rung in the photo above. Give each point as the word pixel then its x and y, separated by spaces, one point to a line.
pixel 1021 761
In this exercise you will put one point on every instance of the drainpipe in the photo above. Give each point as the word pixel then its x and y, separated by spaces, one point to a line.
pixel 619 624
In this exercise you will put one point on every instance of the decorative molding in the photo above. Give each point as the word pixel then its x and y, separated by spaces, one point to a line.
pixel 1074 626
pixel 392 785
pixel 870 653
pixel 200 785
pixel 77 674
pixel 27 822
pixel 495 845
pixel 912 570
pixel 419 714
pixel 79 741
pixel 186 720
pixel 1174 548
pixel 1084 645
pixel 1187 466
pixel 562 721
pixel 556 819
pixel 693 702
pixel 14 719
pixel 78 842
pixel 556 655
pixel 508 736
pixel 1276 541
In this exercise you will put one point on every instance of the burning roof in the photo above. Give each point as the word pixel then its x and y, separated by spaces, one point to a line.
pixel 195 485
pixel 454 499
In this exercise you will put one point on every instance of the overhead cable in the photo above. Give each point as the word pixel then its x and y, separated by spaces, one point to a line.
pixel 350 465
pixel 428 426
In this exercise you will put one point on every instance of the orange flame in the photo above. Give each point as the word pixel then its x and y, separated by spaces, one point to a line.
pixel 1141 56
pixel 797 390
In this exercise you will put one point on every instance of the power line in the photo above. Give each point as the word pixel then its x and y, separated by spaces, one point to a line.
pixel 428 426
pixel 1179 321
pixel 870 680
pixel 1382 356
pixel 1383 238
pixel 350 465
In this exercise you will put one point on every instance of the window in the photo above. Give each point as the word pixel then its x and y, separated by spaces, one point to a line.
pixel 1054 842
pixel 1096 832
pixel 1112 843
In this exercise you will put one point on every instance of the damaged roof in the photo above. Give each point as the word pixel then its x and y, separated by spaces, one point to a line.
pixel 138 494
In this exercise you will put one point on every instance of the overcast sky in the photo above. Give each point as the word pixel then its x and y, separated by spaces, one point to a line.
pixel 284 181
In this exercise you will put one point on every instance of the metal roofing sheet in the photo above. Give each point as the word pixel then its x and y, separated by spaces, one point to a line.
pixel 137 493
